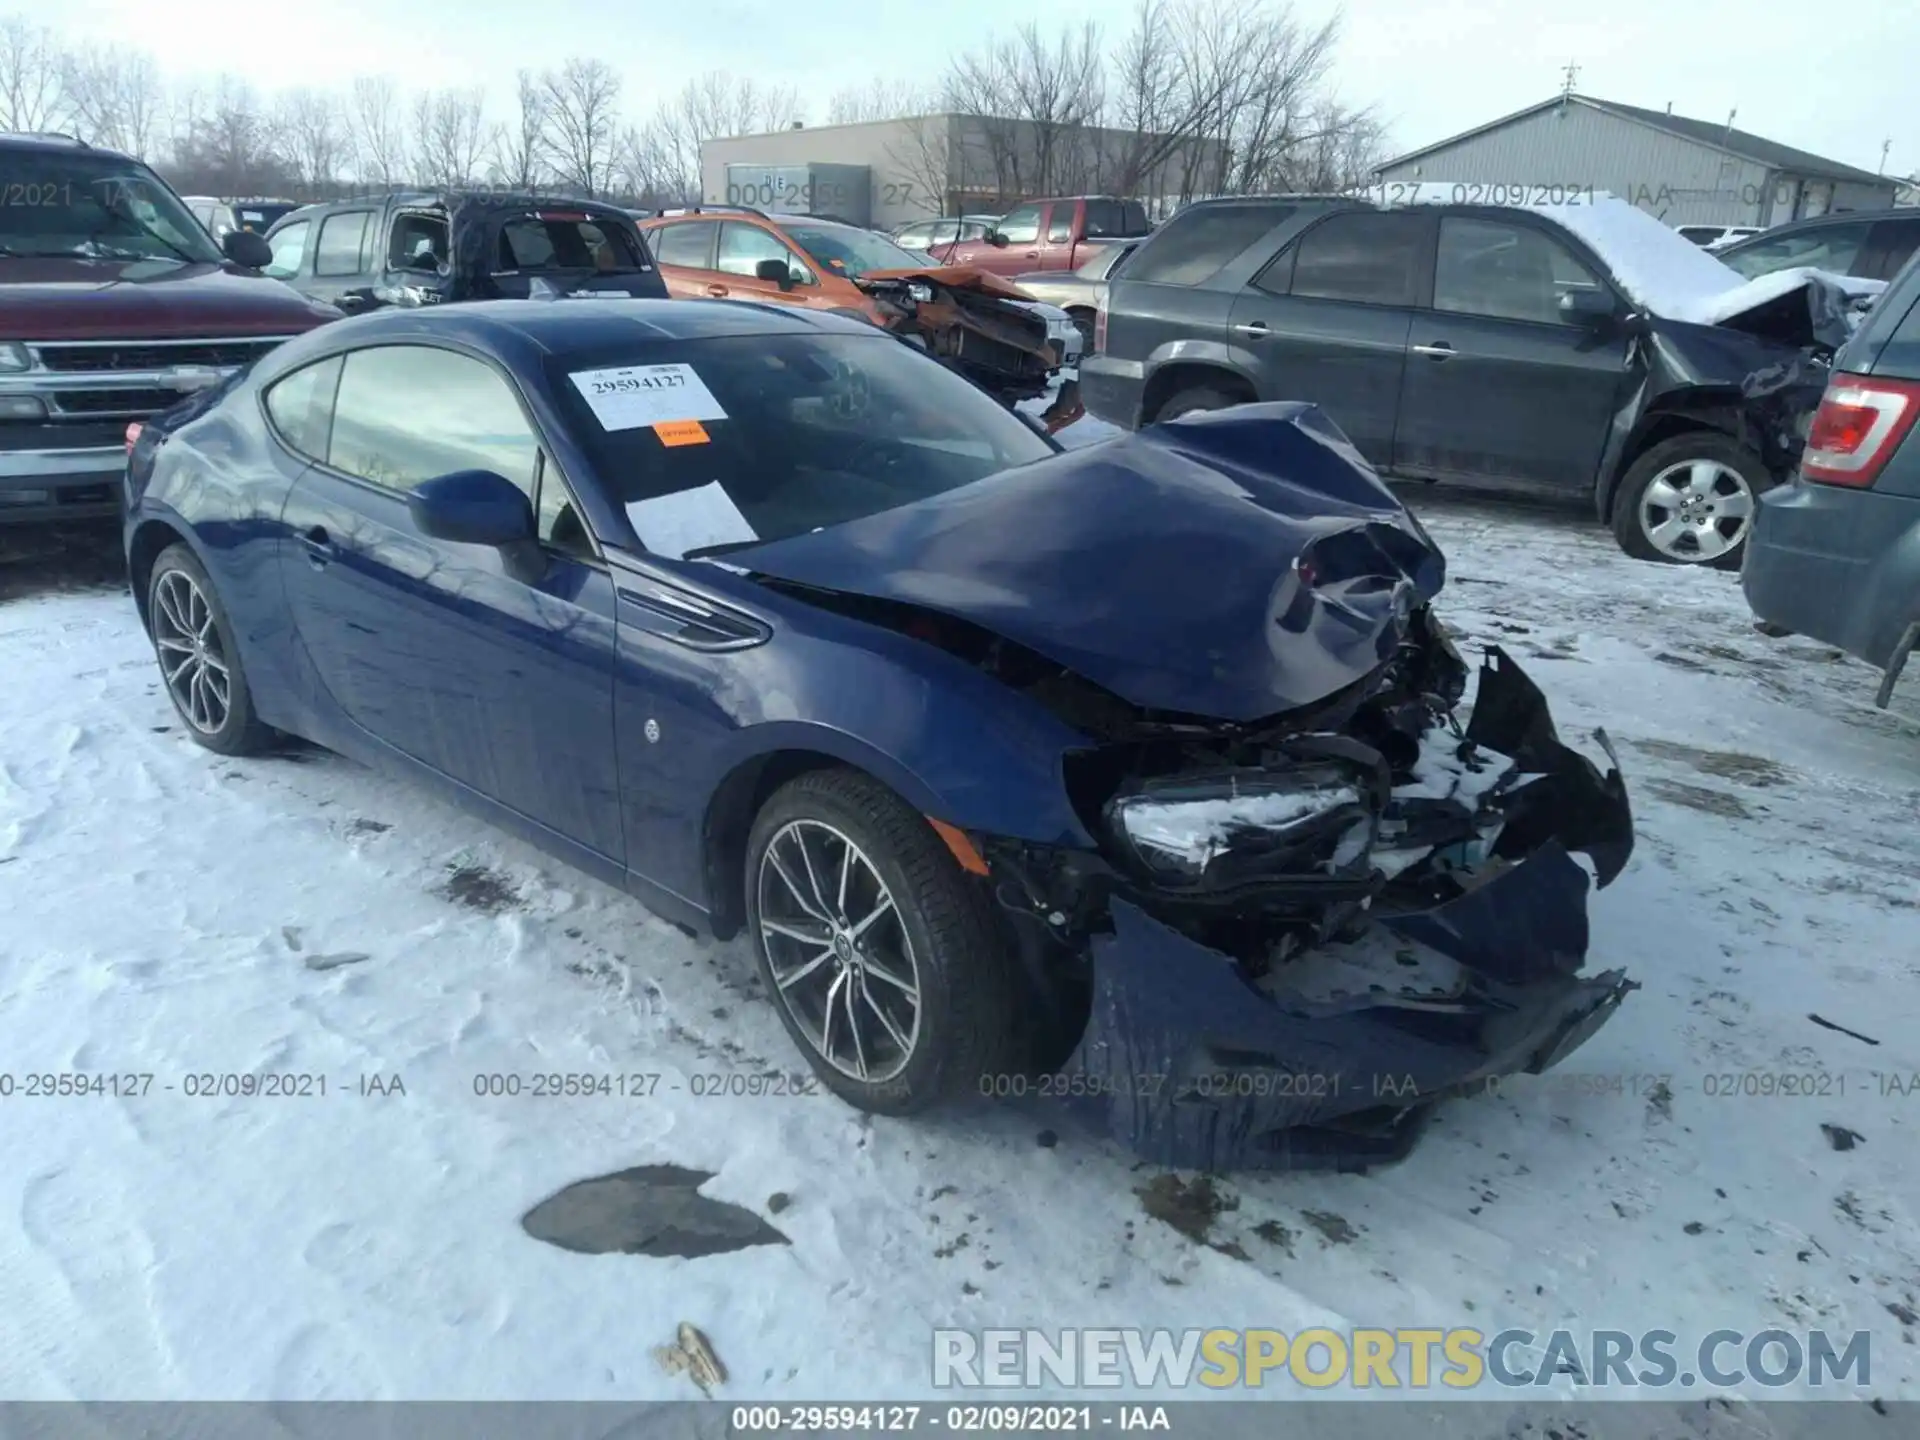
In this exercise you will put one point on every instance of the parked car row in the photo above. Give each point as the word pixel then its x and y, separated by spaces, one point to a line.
pixel 1587 351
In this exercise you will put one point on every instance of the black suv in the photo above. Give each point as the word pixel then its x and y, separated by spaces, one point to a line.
pixel 423 249
pixel 1485 344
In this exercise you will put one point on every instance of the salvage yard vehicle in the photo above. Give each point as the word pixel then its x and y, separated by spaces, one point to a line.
pixel 1872 245
pixel 1836 554
pixel 1580 350
pixel 923 234
pixel 1053 234
pixel 1078 292
pixel 114 304
pixel 422 248
pixel 222 216
pixel 783 627
pixel 985 327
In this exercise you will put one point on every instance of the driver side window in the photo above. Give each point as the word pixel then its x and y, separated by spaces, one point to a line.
pixel 417 240
pixel 1022 226
pixel 742 247
pixel 289 246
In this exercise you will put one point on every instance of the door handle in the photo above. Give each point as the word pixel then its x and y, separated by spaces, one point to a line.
pixel 1254 329
pixel 319 547
pixel 1439 350
pixel 1033 255
pixel 716 290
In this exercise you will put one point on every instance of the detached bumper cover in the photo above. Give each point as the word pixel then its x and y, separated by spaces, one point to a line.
pixel 1198 1066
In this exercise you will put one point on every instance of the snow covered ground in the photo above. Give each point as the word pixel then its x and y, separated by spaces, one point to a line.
pixel 166 913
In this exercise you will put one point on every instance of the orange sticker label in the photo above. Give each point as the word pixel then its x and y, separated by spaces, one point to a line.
pixel 682 432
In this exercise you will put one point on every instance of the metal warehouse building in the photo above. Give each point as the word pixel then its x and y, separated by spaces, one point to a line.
pixel 1684 171
pixel 888 172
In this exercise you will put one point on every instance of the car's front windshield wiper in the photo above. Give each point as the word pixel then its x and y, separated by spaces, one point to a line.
pixel 124 253
pixel 704 551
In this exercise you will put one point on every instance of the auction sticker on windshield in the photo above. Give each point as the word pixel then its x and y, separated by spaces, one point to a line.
pixel 636 395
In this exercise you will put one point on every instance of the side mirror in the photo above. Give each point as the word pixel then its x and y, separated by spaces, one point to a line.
pixel 1587 307
pixel 777 271
pixel 243 247
pixel 995 239
pixel 472 507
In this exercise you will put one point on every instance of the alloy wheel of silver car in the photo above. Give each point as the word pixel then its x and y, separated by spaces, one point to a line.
pixel 192 661
pixel 841 960
pixel 1696 511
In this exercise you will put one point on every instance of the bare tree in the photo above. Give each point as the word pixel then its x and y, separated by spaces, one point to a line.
pixel 664 153
pixel 31 76
pixel 516 144
pixel 314 138
pixel 886 98
pixel 113 96
pixel 582 123
pixel 1030 100
pixel 379 134
pixel 449 129
pixel 227 147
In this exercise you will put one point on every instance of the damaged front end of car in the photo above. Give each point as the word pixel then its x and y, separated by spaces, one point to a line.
pixel 1308 902
pixel 1299 938
pixel 980 325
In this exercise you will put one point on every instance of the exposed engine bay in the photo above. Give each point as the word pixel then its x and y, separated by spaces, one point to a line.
pixel 978 324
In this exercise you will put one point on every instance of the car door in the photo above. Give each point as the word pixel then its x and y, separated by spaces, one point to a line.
pixel 1021 229
pixel 1501 384
pixel 340 260
pixel 743 246
pixel 1327 319
pixel 1056 240
pixel 493 668
pixel 683 249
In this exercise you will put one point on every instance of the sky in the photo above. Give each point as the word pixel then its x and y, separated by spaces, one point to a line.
pixel 1432 68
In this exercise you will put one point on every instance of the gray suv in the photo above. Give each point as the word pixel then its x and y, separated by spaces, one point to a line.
pixel 1836 554
pixel 1481 344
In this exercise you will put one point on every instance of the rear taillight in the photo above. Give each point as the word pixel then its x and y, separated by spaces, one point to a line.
pixel 134 427
pixel 1859 424
pixel 1100 326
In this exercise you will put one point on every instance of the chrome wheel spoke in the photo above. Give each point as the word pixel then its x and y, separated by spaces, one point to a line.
pixel 795 976
pixel 173 676
pixel 1662 494
pixel 886 1020
pixel 170 607
pixel 905 987
pixel 1711 542
pixel 814 938
pixel 793 886
pixel 846 869
pixel 881 908
pixel 813 878
pixel 1737 506
pixel 169 642
pixel 826 1019
pixel 853 1023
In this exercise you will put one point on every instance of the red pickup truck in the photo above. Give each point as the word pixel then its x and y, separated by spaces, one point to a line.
pixel 114 303
pixel 1061 233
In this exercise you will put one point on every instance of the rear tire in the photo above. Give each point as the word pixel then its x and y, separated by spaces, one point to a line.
pixel 1193 399
pixel 199 661
pixel 1690 501
pixel 909 961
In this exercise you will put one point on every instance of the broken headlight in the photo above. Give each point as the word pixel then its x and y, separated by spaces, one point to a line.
pixel 1245 826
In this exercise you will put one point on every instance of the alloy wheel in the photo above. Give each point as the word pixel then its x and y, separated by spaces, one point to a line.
pixel 192 660
pixel 1696 510
pixel 838 951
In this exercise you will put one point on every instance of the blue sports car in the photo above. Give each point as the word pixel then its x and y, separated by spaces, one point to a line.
pixel 1128 774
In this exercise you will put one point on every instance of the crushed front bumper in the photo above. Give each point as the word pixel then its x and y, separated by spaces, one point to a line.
pixel 1335 1060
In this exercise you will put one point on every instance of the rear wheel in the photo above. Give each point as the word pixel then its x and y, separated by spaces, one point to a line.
pixel 1195 398
pixel 199 662
pixel 884 959
pixel 1690 501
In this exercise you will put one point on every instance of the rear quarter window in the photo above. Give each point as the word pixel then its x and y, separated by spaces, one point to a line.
pixel 1198 243
pixel 300 407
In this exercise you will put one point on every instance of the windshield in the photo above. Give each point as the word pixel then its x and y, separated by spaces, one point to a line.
pixel 846 251
pixel 75 203
pixel 767 436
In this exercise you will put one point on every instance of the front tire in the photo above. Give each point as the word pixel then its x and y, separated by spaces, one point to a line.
pixel 199 661
pixel 884 959
pixel 1690 501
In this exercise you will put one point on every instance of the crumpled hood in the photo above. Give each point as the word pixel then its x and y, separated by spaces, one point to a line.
pixel 1232 565
pixel 954 277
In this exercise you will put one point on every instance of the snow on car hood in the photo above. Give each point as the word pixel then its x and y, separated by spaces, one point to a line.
pixel 1234 564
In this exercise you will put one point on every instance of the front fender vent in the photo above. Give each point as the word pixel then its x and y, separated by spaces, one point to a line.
pixel 688 620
